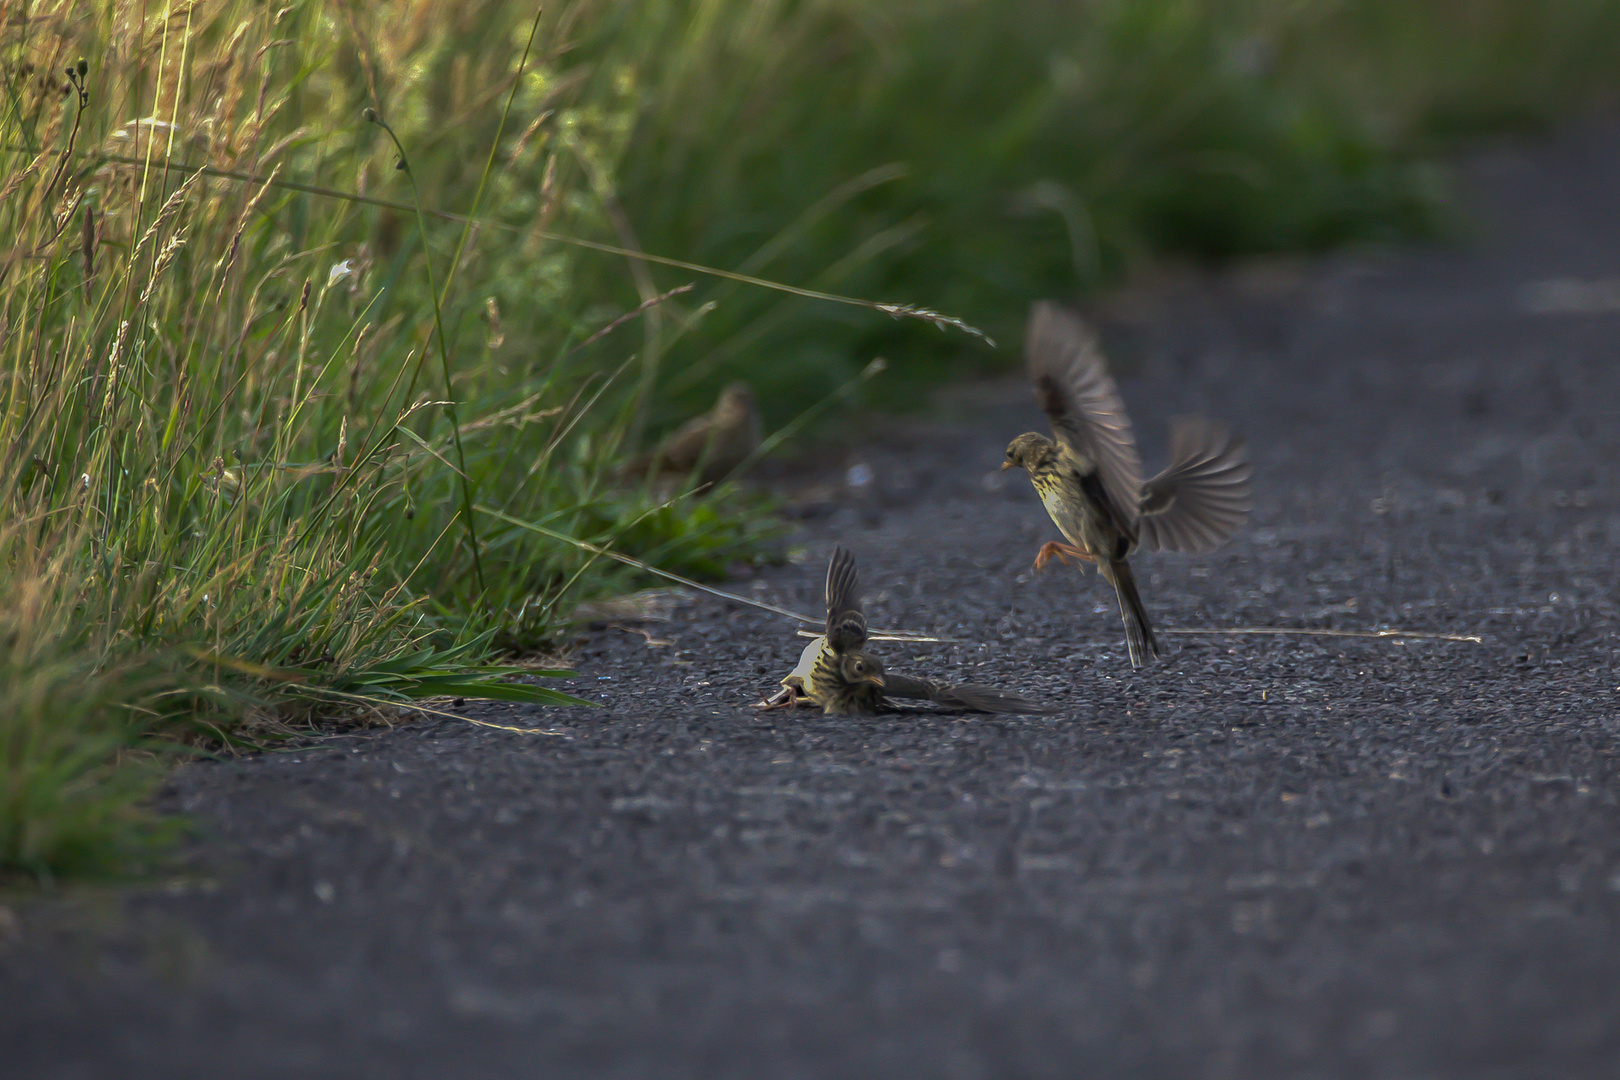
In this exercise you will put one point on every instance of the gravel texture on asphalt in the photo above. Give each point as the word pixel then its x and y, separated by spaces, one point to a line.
pixel 1265 856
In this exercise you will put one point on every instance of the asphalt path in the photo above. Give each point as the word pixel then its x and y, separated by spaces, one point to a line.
pixel 1266 856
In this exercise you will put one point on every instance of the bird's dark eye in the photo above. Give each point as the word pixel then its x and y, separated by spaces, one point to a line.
pixel 859 667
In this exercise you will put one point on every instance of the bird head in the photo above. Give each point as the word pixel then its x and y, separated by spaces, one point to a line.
pixel 860 667
pixel 1028 450
pixel 737 399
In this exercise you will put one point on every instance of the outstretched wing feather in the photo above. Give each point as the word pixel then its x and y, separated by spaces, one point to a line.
pixel 1082 403
pixel 846 625
pixel 1203 496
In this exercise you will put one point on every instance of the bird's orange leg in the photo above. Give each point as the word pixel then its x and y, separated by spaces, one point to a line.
pixel 1062 552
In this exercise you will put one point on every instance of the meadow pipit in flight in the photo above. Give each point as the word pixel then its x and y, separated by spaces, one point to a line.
pixel 1089 476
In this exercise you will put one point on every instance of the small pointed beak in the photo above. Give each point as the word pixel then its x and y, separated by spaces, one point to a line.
pixel 1006 465
pixel 876 680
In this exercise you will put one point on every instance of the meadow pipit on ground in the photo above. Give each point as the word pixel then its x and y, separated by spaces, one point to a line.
pixel 1089 477
pixel 836 672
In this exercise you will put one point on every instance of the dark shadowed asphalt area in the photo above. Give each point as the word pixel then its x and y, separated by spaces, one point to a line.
pixel 1265 857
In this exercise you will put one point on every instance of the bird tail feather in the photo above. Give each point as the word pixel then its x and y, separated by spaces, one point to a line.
pixel 1138 630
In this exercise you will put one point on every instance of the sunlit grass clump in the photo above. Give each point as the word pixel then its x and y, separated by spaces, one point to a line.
pixel 247 481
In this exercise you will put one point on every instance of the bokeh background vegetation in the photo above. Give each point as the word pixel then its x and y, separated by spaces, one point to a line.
pixel 247 483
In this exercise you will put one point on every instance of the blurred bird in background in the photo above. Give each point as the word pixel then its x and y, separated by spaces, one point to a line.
pixel 1089 476
pixel 711 446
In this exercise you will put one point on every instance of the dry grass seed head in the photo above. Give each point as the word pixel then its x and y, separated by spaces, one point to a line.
pixel 166 213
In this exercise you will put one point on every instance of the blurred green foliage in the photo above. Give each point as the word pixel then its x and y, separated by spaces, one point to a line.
pixel 970 156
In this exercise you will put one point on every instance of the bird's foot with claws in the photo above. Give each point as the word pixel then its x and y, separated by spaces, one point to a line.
pixel 1054 549
pixel 788 697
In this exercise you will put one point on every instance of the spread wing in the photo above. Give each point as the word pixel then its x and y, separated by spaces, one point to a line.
pixel 1079 398
pixel 968 696
pixel 846 625
pixel 1202 496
